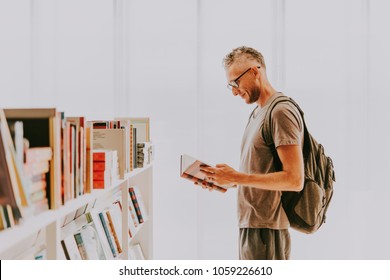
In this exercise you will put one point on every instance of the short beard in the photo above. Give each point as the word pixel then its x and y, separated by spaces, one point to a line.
pixel 255 95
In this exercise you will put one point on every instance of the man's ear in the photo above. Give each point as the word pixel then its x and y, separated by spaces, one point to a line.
pixel 255 70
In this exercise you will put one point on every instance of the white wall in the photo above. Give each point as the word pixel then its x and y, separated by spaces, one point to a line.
pixel 162 84
pixel 15 53
pixel 223 26
pixel 162 59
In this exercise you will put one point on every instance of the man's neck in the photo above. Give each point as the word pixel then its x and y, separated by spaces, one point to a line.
pixel 265 95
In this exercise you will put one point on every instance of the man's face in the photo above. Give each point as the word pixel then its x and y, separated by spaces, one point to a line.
pixel 241 80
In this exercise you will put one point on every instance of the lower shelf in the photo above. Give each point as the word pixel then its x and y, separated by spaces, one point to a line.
pixel 51 221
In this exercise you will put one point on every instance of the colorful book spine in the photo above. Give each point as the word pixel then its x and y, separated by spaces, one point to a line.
pixel 107 232
pixel 102 168
pixel 100 156
pixel 81 245
pixel 136 205
pixel 113 231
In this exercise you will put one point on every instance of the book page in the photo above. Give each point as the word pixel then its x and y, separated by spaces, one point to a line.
pixel 190 169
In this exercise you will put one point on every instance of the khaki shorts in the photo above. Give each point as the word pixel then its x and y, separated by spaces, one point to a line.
pixel 264 244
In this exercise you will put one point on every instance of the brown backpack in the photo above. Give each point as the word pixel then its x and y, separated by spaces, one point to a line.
pixel 305 209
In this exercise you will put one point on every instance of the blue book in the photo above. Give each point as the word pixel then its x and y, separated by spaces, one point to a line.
pixel 107 232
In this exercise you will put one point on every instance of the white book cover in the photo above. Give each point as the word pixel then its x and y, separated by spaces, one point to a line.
pixel 92 242
pixel 70 248
pixel 113 139
pixel 94 214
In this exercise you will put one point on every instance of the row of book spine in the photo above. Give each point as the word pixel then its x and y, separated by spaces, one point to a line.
pixel 105 168
pixel 99 235
pixel 57 164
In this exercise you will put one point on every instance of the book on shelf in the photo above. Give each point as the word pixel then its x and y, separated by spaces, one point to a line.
pixel 80 211
pixel 144 153
pixel 83 229
pixel 70 247
pixel 103 175
pixel 102 156
pixel 67 218
pixel 73 221
pixel 88 163
pixel 190 170
pixel 122 124
pixel 116 232
pixel 77 148
pixel 100 124
pixel 67 182
pixel 35 155
pixel 142 125
pixel 12 193
pixel 101 184
pixel 42 128
pixel 99 219
pixel 16 131
pixel 112 139
pixel 138 132
pixel 9 219
pixel 75 157
pixel 105 168
pixel 36 166
pixel 88 243
pixel 132 217
pixel 92 242
pixel 116 214
pixel 117 125
pixel 81 246
pixel 81 158
pixel 101 166
pixel 139 205
pixel 90 206
pixel 132 220
pixel 36 169
pixel 108 233
pixel 2 219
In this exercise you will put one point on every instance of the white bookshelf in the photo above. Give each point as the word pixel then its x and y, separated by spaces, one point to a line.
pixel 18 239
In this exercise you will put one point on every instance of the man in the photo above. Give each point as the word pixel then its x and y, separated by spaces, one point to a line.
pixel 262 221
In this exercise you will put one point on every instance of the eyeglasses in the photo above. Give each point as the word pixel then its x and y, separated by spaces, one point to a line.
pixel 234 83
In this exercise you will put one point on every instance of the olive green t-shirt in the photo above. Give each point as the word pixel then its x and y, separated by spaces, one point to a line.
pixel 259 208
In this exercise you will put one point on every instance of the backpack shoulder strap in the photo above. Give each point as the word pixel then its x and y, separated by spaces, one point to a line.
pixel 267 125
pixel 267 128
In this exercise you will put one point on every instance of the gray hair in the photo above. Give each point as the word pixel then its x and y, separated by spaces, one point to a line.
pixel 242 54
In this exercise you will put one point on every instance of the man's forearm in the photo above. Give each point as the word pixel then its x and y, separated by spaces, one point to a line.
pixel 277 181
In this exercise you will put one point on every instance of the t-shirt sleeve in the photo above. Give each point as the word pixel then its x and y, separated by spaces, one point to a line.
pixel 287 125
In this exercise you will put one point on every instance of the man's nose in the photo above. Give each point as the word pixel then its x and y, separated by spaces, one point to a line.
pixel 235 91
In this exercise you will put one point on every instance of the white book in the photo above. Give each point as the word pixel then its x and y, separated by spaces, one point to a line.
pixel 116 215
pixel 112 139
pixel 92 242
pixel 70 248
pixel 95 218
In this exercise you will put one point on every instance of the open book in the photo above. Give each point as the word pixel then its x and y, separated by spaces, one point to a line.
pixel 190 169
